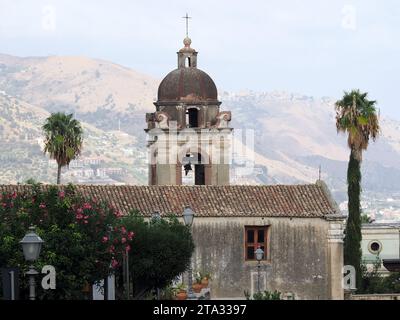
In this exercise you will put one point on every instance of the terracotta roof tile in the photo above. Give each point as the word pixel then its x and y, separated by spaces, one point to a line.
pixel 211 201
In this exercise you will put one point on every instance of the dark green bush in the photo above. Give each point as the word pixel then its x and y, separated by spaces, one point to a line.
pixel 162 249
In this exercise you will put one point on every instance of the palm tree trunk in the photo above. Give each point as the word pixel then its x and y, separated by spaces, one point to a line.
pixel 352 241
pixel 59 174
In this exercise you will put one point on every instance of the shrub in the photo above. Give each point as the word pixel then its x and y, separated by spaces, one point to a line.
pixel 162 251
pixel 375 283
pixel 84 238
pixel 265 295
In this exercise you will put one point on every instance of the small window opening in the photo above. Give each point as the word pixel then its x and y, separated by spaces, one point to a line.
pixel 192 118
pixel 188 62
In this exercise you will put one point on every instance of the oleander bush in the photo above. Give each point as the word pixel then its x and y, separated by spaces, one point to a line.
pixel 84 238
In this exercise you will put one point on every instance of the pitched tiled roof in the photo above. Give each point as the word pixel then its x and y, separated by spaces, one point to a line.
pixel 309 201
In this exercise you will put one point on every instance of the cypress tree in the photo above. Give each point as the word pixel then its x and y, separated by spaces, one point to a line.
pixel 352 241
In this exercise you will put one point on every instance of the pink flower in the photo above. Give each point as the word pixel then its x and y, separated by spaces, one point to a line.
pixel 85 222
pixel 42 206
pixel 61 194
pixel 79 210
pixel 118 214
pixel 123 230
pixel 4 204
pixel 128 248
pixel 87 206
pixel 130 235
pixel 123 240
pixel 79 216
pixel 112 249
pixel 114 263
pixel 14 195
pixel 104 239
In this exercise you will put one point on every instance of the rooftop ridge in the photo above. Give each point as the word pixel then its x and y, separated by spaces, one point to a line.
pixel 303 201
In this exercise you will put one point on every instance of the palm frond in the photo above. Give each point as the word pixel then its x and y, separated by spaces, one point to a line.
pixel 63 137
pixel 357 116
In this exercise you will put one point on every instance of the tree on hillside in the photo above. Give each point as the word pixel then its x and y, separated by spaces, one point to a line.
pixel 356 116
pixel 63 139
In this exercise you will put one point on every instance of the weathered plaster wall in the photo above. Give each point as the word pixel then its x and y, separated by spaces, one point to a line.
pixel 298 256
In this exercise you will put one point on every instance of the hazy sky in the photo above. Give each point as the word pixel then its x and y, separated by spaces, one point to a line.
pixel 314 47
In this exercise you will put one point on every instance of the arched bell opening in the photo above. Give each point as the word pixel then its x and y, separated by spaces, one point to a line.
pixel 193 169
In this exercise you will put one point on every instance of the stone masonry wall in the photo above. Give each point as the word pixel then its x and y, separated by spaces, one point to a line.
pixel 298 256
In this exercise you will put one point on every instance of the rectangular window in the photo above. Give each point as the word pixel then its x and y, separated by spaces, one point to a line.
pixel 255 237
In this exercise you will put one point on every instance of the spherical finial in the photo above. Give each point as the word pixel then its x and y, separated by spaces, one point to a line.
pixel 187 41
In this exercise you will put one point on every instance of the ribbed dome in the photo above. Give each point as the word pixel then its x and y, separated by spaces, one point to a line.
pixel 190 85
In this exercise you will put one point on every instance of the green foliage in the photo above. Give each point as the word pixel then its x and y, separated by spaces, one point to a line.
pixel 162 251
pixel 357 116
pixel 265 295
pixel 82 237
pixel 169 292
pixel 352 241
pixel 366 219
pixel 204 275
pixel 197 277
pixel 31 181
pixel 63 139
pixel 375 283
pixel 180 287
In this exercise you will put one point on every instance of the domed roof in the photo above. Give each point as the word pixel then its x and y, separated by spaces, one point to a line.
pixel 190 85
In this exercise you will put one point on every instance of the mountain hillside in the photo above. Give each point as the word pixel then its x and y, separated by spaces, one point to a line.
pixel 21 142
pixel 294 135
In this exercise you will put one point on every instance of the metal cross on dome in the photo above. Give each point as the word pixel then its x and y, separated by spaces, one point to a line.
pixel 187 24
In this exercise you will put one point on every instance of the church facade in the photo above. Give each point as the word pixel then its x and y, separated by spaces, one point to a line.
pixel 299 228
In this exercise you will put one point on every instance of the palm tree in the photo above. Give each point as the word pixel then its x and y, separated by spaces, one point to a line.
pixel 356 116
pixel 63 139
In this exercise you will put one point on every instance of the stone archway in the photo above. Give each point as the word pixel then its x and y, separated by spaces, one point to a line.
pixel 193 169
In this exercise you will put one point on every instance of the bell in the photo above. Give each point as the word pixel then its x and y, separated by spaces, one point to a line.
pixel 187 168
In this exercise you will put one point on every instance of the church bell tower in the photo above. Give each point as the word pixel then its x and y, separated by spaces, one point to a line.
pixel 188 137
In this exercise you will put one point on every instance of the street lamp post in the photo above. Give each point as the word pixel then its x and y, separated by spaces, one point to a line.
pixel 259 256
pixel 31 246
pixel 188 217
